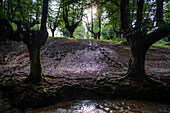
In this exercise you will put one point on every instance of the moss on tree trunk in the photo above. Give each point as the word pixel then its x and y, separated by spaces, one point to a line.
pixel 36 73
pixel 34 43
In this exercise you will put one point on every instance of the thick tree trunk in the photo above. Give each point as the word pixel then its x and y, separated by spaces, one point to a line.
pixel 36 74
pixel 71 34
pixel 34 43
pixel 136 69
pixel 34 40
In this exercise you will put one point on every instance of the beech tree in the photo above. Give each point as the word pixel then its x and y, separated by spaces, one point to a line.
pixel 94 25
pixel 33 39
pixel 140 40
pixel 90 25
pixel 54 18
pixel 72 14
pixel 139 29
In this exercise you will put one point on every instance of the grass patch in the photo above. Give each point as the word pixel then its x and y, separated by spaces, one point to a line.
pixel 161 45
pixel 115 41
pixel 167 43
pixel 126 47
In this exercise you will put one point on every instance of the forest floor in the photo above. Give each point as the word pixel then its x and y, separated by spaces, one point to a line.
pixel 75 62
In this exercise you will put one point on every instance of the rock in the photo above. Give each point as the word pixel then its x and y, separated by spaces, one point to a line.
pixel 58 57
pixel 73 51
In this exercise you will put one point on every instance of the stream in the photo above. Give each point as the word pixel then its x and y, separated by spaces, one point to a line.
pixel 106 106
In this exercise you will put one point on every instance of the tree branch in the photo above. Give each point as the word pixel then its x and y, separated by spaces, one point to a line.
pixel 115 3
pixel 157 35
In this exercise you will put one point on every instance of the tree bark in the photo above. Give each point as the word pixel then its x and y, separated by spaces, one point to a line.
pixel 159 12
pixel 34 40
pixel 1 3
pixel 125 15
pixel 98 36
pixel 95 36
pixel 52 31
pixel 91 17
pixel 136 68
pixel 44 15
pixel 99 18
pixel 36 73
pixel 71 34
pixel 139 11
pixel 140 44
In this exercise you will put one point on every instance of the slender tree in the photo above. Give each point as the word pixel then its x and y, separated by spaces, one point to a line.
pixel 90 25
pixel 54 21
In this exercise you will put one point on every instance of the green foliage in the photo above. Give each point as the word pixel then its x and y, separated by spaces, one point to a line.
pixel 80 32
pixel 55 19
pixel 64 32
pixel 167 11
pixel 107 31
pixel 119 40
pixel 75 10
pixel 167 43
pixel 113 12
pixel 162 43
pixel 25 11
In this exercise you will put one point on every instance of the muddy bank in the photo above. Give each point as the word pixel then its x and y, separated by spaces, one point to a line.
pixel 79 69
pixel 24 95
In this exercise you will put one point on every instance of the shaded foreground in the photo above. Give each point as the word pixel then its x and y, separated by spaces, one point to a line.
pixel 80 69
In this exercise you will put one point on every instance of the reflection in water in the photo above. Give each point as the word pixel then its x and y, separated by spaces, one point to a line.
pixel 106 106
